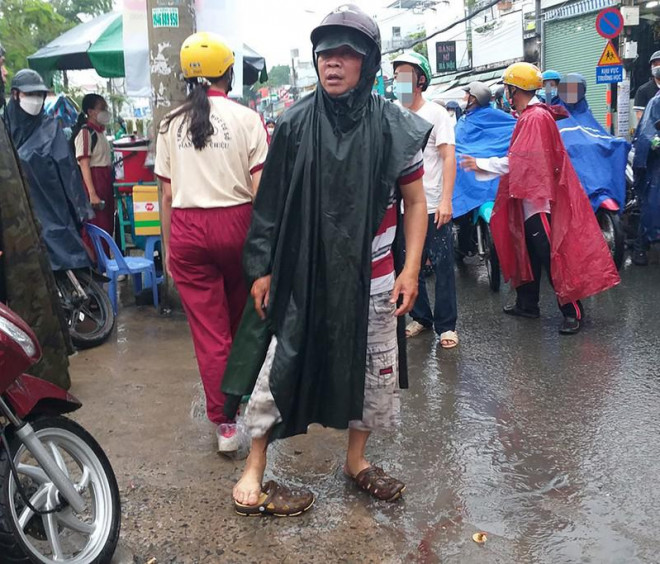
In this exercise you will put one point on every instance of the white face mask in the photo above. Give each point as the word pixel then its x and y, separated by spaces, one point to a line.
pixel 32 105
pixel 104 117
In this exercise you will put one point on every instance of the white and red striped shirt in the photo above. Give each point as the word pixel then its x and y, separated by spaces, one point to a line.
pixel 382 259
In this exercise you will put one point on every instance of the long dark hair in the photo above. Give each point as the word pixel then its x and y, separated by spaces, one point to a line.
pixel 197 113
pixel 88 103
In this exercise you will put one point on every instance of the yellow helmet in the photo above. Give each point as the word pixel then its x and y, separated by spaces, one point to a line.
pixel 205 54
pixel 523 75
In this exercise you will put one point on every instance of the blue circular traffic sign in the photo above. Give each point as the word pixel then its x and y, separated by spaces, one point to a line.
pixel 609 23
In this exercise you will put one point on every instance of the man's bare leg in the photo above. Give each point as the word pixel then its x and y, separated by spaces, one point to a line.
pixel 357 444
pixel 248 489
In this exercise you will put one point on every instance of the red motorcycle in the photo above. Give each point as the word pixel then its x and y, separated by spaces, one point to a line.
pixel 59 500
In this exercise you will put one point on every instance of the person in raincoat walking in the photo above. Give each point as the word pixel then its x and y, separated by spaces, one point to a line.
pixel 319 258
pixel 542 218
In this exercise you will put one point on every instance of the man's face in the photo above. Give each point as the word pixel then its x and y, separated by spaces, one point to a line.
pixel 655 69
pixel 339 70
pixel 550 84
pixel 471 101
pixel 569 90
pixel 30 95
pixel 405 81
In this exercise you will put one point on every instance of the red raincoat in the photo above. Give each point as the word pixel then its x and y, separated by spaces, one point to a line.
pixel 540 168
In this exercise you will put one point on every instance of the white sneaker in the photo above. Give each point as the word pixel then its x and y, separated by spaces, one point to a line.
pixel 414 328
pixel 227 437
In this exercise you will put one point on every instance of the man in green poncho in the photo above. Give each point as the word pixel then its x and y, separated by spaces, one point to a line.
pixel 320 261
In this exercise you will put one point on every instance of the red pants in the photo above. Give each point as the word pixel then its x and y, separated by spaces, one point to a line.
pixel 206 247
pixel 105 218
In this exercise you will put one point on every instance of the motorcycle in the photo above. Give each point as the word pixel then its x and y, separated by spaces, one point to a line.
pixel 631 212
pixel 608 215
pixel 59 499
pixel 480 242
pixel 87 307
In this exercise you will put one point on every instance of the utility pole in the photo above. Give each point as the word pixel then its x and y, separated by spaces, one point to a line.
pixel 539 32
pixel 170 22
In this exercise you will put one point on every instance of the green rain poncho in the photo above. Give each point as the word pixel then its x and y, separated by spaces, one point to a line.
pixel 324 191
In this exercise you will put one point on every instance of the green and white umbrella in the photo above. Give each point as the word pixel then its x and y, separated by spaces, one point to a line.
pixel 98 44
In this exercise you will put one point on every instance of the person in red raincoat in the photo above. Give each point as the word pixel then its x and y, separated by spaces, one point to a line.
pixel 542 218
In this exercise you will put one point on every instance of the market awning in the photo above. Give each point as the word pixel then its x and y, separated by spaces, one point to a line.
pixel 448 87
pixel 98 44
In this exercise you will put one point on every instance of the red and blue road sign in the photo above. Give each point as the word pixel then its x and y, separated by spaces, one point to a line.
pixel 609 23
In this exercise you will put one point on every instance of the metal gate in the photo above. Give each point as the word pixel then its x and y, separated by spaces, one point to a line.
pixel 573 45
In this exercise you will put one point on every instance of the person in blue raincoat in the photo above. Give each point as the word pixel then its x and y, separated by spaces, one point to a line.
pixel 482 132
pixel 598 157
pixel 647 179
pixel 550 90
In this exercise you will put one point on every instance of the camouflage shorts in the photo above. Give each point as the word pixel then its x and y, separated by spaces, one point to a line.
pixel 381 381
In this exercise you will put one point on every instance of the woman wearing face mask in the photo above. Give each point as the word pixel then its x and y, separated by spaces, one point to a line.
pixel 94 156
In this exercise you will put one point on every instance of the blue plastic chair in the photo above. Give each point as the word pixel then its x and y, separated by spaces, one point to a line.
pixel 153 242
pixel 117 264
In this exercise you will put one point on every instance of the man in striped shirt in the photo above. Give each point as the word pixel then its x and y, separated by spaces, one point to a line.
pixel 327 201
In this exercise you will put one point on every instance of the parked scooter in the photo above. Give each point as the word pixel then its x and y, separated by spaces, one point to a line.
pixel 86 305
pixel 59 500
pixel 480 242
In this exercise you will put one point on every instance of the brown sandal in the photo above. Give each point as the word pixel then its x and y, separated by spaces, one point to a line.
pixel 278 500
pixel 380 485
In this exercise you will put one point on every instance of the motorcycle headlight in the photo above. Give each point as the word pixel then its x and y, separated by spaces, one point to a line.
pixel 19 336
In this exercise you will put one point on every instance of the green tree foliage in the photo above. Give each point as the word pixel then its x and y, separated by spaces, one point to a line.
pixel 25 27
pixel 279 75
pixel 72 10
pixel 421 48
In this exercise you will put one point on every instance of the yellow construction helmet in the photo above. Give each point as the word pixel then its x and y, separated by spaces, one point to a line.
pixel 524 76
pixel 205 54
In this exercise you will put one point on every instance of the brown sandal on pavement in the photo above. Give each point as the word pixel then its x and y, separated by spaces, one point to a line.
pixel 376 482
pixel 278 500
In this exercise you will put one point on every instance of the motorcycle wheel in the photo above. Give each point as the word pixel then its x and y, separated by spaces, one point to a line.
pixel 90 321
pixel 610 226
pixel 64 537
pixel 490 257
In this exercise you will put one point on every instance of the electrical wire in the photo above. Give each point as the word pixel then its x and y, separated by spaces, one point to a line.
pixel 454 24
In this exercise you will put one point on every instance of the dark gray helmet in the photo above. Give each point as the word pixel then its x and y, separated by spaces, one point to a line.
pixel 654 57
pixel 348 16
pixel 28 80
pixel 480 91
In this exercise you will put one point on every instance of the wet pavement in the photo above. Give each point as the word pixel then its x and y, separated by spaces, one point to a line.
pixel 548 444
